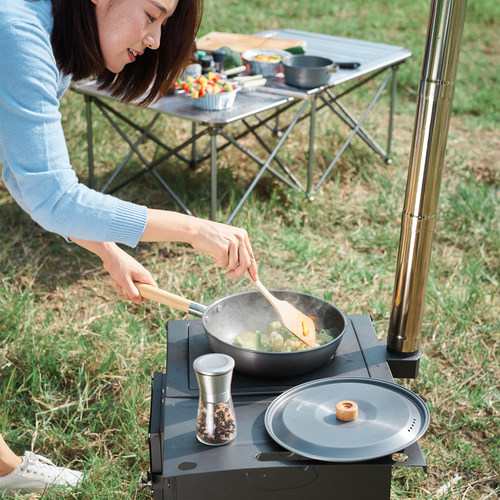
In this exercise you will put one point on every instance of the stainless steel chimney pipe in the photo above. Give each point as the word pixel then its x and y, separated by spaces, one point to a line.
pixel 437 85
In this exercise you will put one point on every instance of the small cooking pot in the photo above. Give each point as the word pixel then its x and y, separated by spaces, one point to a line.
pixel 307 71
pixel 226 318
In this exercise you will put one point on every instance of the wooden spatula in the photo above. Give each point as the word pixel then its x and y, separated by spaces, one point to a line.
pixel 292 319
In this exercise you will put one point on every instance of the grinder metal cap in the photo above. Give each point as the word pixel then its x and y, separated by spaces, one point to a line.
pixel 214 372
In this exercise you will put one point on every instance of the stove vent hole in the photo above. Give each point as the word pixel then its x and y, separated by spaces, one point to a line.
pixel 187 466
pixel 412 425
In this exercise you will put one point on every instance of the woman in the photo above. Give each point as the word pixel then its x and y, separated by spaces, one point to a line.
pixel 135 49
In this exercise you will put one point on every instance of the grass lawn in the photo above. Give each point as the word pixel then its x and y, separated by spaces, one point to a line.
pixel 76 361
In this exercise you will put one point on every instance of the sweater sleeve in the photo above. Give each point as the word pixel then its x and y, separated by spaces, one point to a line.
pixel 37 169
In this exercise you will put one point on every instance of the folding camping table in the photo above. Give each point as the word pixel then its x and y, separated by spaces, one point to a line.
pixel 375 59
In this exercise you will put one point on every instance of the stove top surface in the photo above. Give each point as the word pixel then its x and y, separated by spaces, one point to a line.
pixel 360 354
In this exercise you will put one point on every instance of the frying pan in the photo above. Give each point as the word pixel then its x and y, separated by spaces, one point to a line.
pixel 230 316
pixel 308 72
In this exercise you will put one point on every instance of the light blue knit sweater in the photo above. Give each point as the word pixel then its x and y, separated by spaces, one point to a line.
pixel 36 166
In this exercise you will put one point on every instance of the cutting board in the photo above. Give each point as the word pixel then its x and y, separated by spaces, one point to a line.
pixel 216 39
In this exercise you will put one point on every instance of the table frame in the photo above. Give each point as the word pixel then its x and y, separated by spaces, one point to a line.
pixel 212 126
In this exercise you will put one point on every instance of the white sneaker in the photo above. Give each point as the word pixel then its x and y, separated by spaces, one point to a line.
pixel 37 473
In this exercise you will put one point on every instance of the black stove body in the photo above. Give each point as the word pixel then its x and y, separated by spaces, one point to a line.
pixel 254 467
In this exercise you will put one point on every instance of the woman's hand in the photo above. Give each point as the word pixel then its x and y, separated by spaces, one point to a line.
pixel 229 246
pixel 123 268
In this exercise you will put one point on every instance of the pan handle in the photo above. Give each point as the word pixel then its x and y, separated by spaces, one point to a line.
pixel 170 299
pixel 348 65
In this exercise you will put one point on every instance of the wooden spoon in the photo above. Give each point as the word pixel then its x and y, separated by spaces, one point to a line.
pixel 292 319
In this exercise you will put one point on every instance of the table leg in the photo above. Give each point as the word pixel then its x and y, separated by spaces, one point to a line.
pixel 193 163
pixel 391 113
pixel 213 172
pixel 90 140
pixel 312 135
pixel 277 132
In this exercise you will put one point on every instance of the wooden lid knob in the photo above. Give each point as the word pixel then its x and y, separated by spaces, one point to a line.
pixel 346 411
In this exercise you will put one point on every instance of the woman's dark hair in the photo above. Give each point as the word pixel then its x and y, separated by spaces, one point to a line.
pixel 75 42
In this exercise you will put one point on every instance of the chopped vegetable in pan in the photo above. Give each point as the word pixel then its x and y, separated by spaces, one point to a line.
pixel 271 58
pixel 278 339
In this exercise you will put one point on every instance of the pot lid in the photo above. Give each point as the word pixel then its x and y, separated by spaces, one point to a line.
pixel 390 418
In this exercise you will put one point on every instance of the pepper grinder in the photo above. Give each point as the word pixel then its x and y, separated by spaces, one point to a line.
pixel 207 64
pixel 216 419
pixel 219 58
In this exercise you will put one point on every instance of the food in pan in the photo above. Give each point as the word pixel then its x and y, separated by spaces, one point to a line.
pixel 278 339
pixel 271 58
pixel 265 62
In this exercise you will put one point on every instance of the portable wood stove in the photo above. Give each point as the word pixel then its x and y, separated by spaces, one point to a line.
pixel 254 467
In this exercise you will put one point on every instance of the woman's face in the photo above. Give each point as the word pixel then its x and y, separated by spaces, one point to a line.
pixel 128 27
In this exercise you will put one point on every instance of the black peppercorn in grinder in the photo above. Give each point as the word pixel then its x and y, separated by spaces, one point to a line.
pixel 216 419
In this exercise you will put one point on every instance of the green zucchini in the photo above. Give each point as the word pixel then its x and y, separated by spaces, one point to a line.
pixel 296 50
